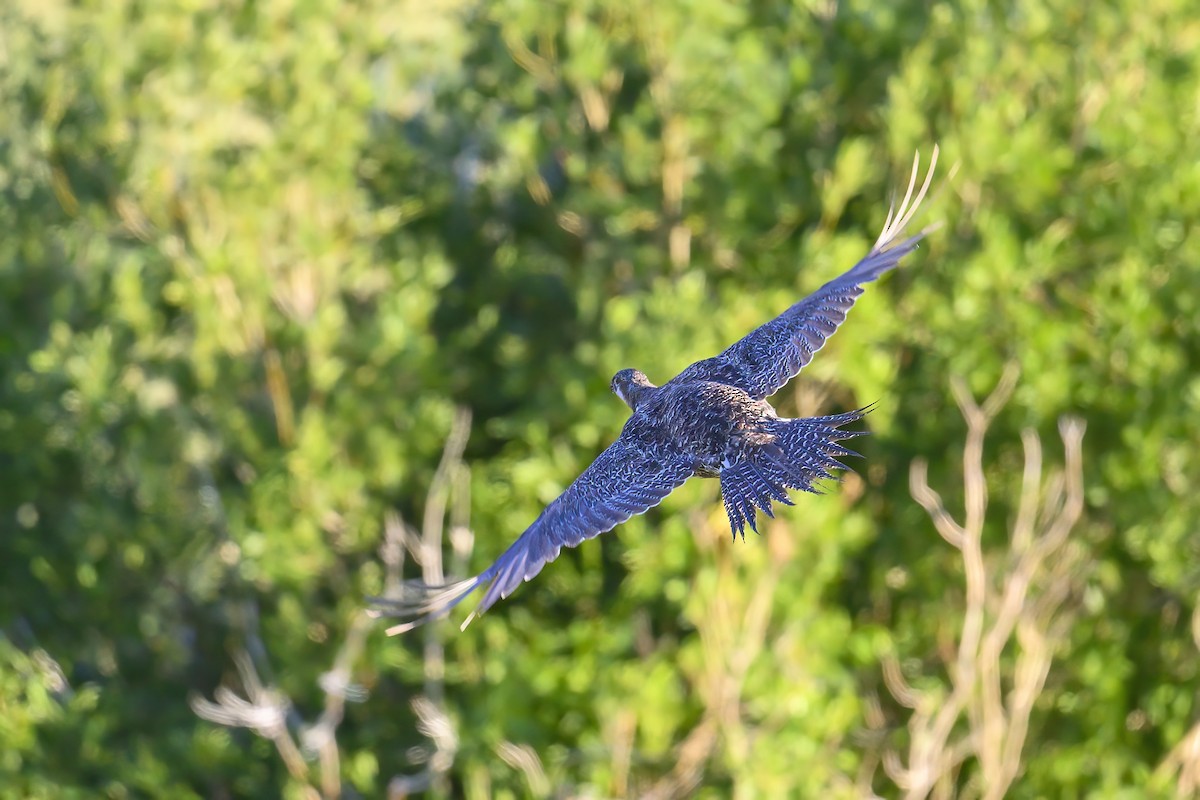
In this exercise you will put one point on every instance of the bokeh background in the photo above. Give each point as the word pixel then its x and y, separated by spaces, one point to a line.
pixel 293 292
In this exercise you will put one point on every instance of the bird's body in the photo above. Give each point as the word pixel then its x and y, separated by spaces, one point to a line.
pixel 711 420
pixel 713 423
pixel 726 433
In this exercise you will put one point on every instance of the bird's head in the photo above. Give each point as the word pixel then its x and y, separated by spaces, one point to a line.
pixel 632 386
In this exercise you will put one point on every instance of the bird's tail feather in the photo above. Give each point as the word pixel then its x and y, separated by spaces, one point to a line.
pixel 804 451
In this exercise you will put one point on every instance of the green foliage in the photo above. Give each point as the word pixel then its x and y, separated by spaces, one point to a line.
pixel 256 254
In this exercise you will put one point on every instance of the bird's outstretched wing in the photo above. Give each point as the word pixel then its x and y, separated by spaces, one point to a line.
pixel 771 355
pixel 634 474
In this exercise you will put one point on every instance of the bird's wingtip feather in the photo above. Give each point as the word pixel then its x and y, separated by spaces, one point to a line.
pixel 899 218
pixel 417 603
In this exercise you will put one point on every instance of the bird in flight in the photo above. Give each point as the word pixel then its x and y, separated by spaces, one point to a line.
pixel 712 420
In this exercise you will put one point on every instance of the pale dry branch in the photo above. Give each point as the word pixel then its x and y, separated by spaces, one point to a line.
pixel 391 551
pixel 1181 768
pixel 692 755
pixel 1030 492
pixel 268 712
pixel 1016 613
pixel 622 733
pixel 271 714
pixel 263 710
pixel 433 522
pixel 733 630
pixel 462 537
pixel 44 667
pixel 321 738
pixel 522 758
pixel 931 501
pixel 449 490
pixel 897 686
pixel 435 725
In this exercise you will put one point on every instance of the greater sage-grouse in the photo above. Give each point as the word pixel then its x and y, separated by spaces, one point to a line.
pixel 711 420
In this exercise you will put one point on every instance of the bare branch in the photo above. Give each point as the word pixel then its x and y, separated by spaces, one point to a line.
pixel 263 710
pixel 391 552
pixel 450 488
pixel 271 714
pixel 897 686
pixel 1016 603
pixel 522 757
pixel 931 501
pixel 321 738
pixel 1030 492
pixel 436 499
pixel 1181 767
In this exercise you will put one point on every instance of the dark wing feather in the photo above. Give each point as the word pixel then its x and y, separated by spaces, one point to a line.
pixel 770 356
pixel 634 474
